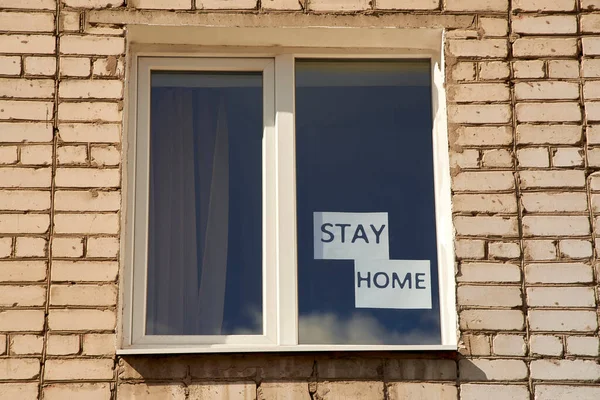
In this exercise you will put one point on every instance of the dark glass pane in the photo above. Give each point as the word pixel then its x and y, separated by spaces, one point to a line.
pixel 367 260
pixel 205 208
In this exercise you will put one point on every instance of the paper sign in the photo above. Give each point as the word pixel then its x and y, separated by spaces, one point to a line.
pixel 392 284
pixel 351 236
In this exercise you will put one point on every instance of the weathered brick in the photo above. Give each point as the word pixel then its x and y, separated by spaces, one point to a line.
pixel 493 27
pixel 472 391
pixel 30 247
pixel 489 272
pixel 26 44
pixel 67 247
pixel 251 4
pixel 544 25
pixel 29 4
pixel 491 296
pixel 483 181
pixel 575 248
pixel 591 46
pixel 20 223
pixel 492 370
pixel 162 4
pixel 77 369
pixel 529 69
pixel 533 157
pixel 563 69
pixel 71 66
pixel 10 65
pixel 105 155
pixel 92 112
pixel 552 179
pixel 548 112
pixel 92 45
pixel 560 297
pixel 471 249
pixel 567 157
pixel 36 155
pixel 22 296
pixel 218 390
pixel 87 177
pixel 583 345
pixel 555 225
pixel 22 271
pixel 504 250
pixel 478 92
pixel 479 114
pixel 21 320
pixel 24 200
pixel 26 110
pixel 99 344
pixel 544 5
pixel 27 88
pixel 83 295
pixel 406 390
pixel 497 158
pixel 492 319
pixel 283 390
pixel 83 271
pixel 26 344
pixel 565 370
pixel 478 48
pixel 19 368
pixel 72 155
pixel 562 321
pixel 545 47
pixel 106 247
pixel 483 225
pixel 565 392
pixel 493 69
pixel 87 391
pixel 85 223
pixel 19 390
pixel 546 90
pixel 491 203
pixel 25 132
pixel 479 5
pixel 558 273
pixel 337 5
pixel 554 202
pixel 172 391
pixel 98 133
pixel 509 345
pixel 96 89
pixel 62 344
pixel 549 134
pixel 72 320
pixel 93 3
pixel 546 345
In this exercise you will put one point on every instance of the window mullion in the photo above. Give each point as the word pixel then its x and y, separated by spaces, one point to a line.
pixel 286 201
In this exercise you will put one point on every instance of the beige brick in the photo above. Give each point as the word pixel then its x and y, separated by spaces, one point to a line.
pixel 492 203
pixel 472 391
pixel 479 5
pixel 545 47
pixel 69 21
pixel 105 155
pixel 19 44
pixel 583 345
pixel 86 223
pixel 493 370
pixel 30 247
pixel 533 157
pixel 408 4
pixel 484 48
pixel 83 271
pixel 563 69
pixel 590 68
pixel 593 134
pixel 337 5
pixel 87 391
pixel 551 392
pixel 595 181
pixel 281 5
pixel 554 202
pixel 139 391
pixel 162 4
pixel 72 155
pixel 70 66
pixel 549 134
pixel 22 296
pixel 19 368
pixel 546 90
pixel 470 249
pixel 476 345
pixel 493 26
pixel 20 390
pixel 593 157
pixel 10 65
pixel 590 23
pixel 36 155
pixel 67 247
pixel 406 390
pixel 463 71
pixel 93 3
pixel 479 114
pixel 92 45
pixel 26 344
pixel 109 66
pixel 548 112
pixel 60 345
pixel 544 5
pixel 483 225
pixel 551 179
pixel 234 4
pixel 558 273
pixel 555 225
pixel 29 4
pixel 540 250
pixel 469 158
pixel 98 133
pixel 492 296
pixel 22 271
pixel 27 22
pixel 591 46
pixel 8 155
pixel 86 200
pixel 562 321
pixel 504 250
pixel 21 320
pixel 483 181
pixel 509 345
pixel 19 223
pixel 72 320
pixel 6 248
pixel 95 89
pixel 591 90
pixel 575 248
pixel 25 132
pixel 478 92
pixel 83 295
pixel 283 391
pixel 102 247
pixel 497 158
pixel 493 70
pixel 107 112
pixel 529 69
pixel 77 369
pixel 24 200
pixel 26 110
pixel 489 272
pixel 482 136
pixel 590 5
pixel 544 25
pixel 560 297
pixel 567 157
pixel 87 177
pixel 350 389
pixel 546 345
pixel 99 344
pixel 565 370
pixel 492 319
pixel 40 66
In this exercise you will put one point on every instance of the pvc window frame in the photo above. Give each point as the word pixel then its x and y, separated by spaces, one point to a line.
pixel 280 299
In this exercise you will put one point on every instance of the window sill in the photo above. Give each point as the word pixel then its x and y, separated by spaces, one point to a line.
pixel 141 350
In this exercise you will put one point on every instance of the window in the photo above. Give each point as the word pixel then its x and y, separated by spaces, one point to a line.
pixel 288 202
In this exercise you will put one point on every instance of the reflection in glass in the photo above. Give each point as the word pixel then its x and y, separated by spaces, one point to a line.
pixel 364 145
pixel 205 205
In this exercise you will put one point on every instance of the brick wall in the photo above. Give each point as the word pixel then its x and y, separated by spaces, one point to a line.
pixel 523 86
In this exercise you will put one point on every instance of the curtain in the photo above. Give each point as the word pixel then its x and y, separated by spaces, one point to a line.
pixel 188 213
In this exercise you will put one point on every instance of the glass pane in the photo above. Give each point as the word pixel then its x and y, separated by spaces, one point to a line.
pixel 205 208
pixel 367 261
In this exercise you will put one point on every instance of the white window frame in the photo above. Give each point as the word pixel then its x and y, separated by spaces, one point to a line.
pixel 280 299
